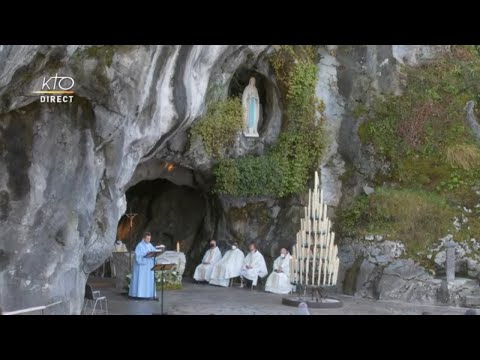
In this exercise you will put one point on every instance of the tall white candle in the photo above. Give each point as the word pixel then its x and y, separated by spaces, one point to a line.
pixel 300 278
pixel 309 204
pixel 307 265
pixel 314 257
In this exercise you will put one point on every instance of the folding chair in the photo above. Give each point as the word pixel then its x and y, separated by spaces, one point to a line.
pixel 259 282
pixel 233 278
pixel 94 297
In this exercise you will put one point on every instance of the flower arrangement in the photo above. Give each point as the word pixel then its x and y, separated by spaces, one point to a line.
pixel 172 280
pixel 129 279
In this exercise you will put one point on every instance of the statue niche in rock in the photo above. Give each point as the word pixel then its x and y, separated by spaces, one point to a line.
pixel 251 109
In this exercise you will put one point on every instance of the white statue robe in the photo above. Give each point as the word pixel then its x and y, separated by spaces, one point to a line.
pixel 142 283
pixel 279 280
pixel 251 110
pixel 258 267
pixel 227 268
pixel 204 271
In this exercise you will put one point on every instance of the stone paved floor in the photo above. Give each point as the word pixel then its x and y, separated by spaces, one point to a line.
pixel 198 299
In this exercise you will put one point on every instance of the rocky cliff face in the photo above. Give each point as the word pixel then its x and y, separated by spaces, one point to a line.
pixel 65 167
pixel 376 268
pixel 353 75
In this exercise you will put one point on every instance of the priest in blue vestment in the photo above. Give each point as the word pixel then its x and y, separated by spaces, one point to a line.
pixel 142 282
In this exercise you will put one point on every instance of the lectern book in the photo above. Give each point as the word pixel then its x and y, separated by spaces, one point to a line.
pixel 162 267
pixel 153 254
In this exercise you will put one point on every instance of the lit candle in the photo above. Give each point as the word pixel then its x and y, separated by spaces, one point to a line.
pixel 178 246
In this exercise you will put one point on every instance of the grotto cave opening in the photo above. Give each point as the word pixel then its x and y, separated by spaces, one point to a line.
pixel 171 212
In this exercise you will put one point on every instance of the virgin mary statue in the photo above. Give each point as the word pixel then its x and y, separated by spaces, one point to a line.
pixel 251 109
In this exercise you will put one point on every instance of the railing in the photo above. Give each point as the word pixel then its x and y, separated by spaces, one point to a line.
pixel 23 311
pixel 32 309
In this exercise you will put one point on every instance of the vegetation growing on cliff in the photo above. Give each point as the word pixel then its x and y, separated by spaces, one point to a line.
pixel 433 159
pixel 101 52
pixel 285 169
pixel 416 217
pixel 423 134
pixel 219 126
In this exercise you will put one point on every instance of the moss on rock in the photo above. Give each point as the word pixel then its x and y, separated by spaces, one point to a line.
pixel 433 159
pixel 219 126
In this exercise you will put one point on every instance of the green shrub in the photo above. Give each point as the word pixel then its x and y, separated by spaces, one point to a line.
pixel 350 218
pixel 219 126
pixel 227 176
pixel 249 176
pixel 286 168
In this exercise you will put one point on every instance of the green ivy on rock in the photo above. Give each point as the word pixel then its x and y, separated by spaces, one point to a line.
pixel 220 125
pixel 287 166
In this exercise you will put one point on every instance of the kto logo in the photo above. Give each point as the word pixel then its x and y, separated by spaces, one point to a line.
pixel 57 89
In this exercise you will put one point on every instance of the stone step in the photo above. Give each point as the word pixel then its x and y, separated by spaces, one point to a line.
pixel 472 300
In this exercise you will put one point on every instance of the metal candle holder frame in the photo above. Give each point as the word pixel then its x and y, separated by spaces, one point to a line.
pixel 315 255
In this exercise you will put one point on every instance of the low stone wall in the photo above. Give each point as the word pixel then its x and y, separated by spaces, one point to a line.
pixel 380 269
pixel 123 267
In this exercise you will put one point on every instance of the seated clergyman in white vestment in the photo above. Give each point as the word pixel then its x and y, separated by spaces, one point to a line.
pixel 211 257
pixel 254 265
pixel 279 280
pixel 142 284
pixel 229 267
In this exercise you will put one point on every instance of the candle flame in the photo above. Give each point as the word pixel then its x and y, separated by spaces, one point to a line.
pixel 169 166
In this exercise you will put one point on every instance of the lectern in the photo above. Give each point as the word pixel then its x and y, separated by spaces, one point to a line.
pixel 153 254
pixel 162 268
